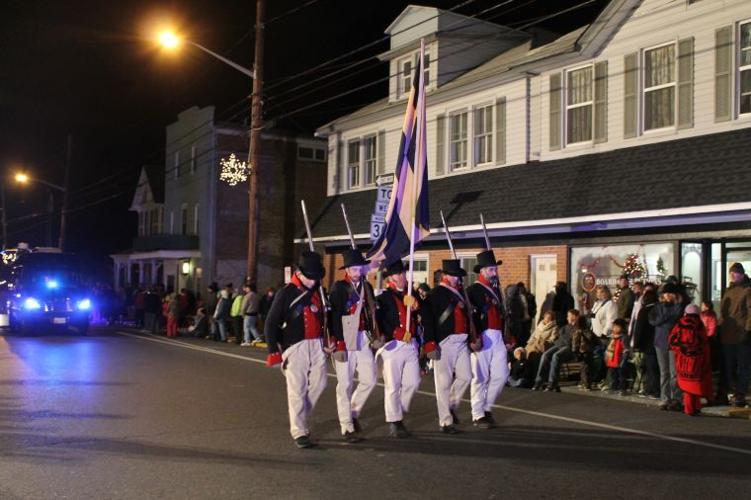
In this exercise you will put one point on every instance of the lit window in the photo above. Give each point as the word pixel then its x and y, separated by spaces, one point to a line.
pixel 483 132
pixel 353 164
pixel 371 160
pixel 579 105
pixel 659 87
pixel 744 69
pixel 458 140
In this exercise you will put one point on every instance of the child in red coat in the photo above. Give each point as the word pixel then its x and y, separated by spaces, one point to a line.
pixel 689 341
pixel 616 378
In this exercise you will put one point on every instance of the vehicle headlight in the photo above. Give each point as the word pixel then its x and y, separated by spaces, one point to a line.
pixel 84 305
pixel 31 304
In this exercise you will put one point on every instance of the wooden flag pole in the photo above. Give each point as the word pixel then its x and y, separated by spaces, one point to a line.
pixel 408 298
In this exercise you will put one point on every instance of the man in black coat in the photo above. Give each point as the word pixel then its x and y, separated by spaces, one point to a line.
pixel 401 367
pixel 352 308
pixel 490 368
pixel 294 332
pixel 446 327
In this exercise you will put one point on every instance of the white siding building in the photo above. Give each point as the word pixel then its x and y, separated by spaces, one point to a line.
pixel 622 139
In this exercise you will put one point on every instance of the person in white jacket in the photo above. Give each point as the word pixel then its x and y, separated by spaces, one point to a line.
pixel 603 313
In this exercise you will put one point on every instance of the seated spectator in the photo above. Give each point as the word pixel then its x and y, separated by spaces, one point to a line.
pixel 200 326
pixel 522 370
pixel 559 352
pixel 544 335
pixel 616 380
pixel 688 340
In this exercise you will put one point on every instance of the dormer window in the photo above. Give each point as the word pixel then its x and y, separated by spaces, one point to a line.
pixel 406 67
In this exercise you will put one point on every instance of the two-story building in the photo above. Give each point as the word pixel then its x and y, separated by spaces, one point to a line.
pixel 618 145
pixel 193 227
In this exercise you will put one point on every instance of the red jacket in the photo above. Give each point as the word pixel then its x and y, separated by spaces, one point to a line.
pixel 614 353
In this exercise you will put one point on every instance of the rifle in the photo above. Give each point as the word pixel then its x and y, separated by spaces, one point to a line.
pixel 374 332
pixel 504 311
pixel 475 340
pixel 324 302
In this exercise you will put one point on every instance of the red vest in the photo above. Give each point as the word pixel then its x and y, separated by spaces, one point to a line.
pixel 495 318
pixel 312 313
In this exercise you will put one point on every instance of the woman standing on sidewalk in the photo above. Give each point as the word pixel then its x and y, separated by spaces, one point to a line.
pixel 173 314
pixel 693 362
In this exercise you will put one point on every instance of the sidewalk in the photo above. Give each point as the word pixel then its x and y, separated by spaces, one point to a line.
pixel 714 411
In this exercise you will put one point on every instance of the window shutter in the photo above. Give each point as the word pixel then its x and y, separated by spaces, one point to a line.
pixel 381 152
pixel 500 131
pixel 555 111
pixel 723 57
pixel 601 102
pixel 440 142
pixel 686 83
pixel 341 175
pixel 630 95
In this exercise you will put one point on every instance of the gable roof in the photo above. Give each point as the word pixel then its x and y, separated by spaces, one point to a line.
pixel 693 172
pixel 586 41
pixel 155 175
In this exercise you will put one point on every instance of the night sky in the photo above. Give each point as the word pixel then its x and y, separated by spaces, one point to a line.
pixel 87 67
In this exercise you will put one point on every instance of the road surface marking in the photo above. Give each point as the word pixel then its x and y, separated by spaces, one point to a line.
pixel 551 416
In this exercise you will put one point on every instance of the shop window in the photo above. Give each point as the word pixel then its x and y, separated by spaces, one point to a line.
pixel 691 270
pixel 602 265
pixel 468 264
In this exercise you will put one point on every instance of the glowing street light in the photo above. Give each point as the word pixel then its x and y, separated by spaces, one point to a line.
pixel 169 40
pixel 21 178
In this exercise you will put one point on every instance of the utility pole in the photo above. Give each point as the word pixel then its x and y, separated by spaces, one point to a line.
pixel 254 155
pixel 66 181
pixel 4 217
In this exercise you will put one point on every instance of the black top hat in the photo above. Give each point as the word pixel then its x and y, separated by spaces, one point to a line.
pixel 392 268
pixel 353 257
pixel 486 258
pixel 453 267
pixel 311 265
pixel 670 287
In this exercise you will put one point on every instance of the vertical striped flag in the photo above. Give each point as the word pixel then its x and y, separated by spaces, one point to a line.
pixel 408 207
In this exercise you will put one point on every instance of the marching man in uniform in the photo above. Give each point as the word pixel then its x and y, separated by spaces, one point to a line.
pixel 446 325
pixel 401 367
pixel 295 326
pixel 489 365
pixel 352 308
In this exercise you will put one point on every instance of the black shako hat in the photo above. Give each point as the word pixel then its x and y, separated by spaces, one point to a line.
pixel 392 268
pixel 353 257
pixel 311 265
pixel 486 258
pixel 452 267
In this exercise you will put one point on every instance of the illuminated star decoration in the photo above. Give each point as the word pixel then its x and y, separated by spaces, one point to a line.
pixel 233 171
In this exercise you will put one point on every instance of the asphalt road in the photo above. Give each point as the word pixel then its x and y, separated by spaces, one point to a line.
pixel 114 415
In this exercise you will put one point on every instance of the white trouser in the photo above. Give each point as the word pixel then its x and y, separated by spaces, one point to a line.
pixel 489 373
pixel 452 376
pixel 304 367
pixel 401 377
pixel 349 402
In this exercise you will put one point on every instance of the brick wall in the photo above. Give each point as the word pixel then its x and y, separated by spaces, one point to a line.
pixel 515 268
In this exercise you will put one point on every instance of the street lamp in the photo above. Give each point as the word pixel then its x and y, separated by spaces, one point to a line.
pixel 170 41
pixel 24 178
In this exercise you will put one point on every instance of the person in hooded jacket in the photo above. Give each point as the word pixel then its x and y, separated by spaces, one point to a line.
pixel 693 361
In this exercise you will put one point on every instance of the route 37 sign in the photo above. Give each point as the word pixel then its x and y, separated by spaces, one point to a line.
pixel 383 195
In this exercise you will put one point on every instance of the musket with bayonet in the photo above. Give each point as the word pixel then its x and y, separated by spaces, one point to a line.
pixel 324 301
pixel 475 342
pixel 504 310
pixel 373 332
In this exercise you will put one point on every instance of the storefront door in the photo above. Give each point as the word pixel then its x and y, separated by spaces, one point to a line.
pixel 543 275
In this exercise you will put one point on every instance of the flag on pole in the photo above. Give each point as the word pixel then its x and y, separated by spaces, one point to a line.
pixel 408 207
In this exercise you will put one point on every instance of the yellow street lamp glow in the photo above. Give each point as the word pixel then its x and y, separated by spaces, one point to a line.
pixel 169 40
pixel 22 178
